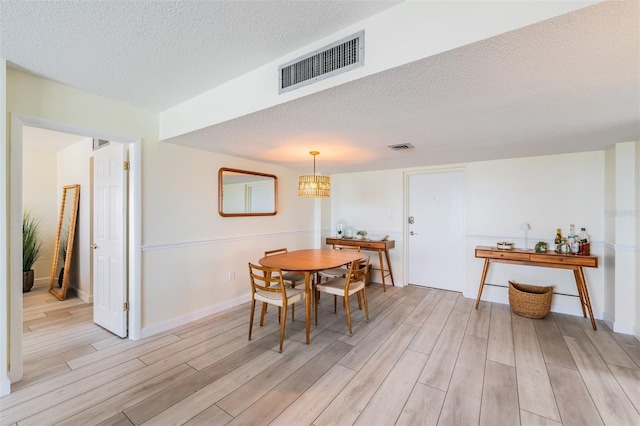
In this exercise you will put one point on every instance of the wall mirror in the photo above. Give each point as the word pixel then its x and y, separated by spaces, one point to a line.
pixel 62 254
pixel 245 193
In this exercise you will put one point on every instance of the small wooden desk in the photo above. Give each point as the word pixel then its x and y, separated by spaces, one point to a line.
pixel 547 260
pixel 366 245
pixel 309 261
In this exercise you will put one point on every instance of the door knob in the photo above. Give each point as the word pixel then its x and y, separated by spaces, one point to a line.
pixel 413 233
pixel 94 246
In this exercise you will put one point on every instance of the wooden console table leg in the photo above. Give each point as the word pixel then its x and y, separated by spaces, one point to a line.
pixel 384 288
pixel 585 293
pixel 580 291
pixel 386 254
pixel 485 269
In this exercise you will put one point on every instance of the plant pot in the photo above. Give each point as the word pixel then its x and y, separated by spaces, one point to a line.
pixel 61 277
pixel 27 280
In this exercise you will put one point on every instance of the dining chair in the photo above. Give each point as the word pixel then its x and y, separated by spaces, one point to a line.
pixel 267 286
pixel 354 282
pixel 291 277
pixel 341 271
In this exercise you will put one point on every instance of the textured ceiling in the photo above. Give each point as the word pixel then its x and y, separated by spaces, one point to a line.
pixel 156 54
pixel 567 84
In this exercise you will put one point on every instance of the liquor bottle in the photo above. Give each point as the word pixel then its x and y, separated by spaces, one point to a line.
pixel 558 240
pixel 572 240
pixel 585 242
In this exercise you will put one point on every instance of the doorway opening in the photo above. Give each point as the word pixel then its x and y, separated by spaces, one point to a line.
pixel 133 238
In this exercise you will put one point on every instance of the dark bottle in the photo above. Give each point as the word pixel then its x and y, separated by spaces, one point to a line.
pixel 585 242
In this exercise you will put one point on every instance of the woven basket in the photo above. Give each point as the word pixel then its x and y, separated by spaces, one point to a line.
pixel 529 300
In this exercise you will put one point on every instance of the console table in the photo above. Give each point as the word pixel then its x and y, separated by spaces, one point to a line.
pixel 546 260
pixel 366 245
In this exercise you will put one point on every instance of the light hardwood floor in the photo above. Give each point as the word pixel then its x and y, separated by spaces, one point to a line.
pixel 425 357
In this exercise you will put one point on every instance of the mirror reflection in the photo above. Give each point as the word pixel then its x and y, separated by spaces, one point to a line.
pixel 246 193
pixel 64 241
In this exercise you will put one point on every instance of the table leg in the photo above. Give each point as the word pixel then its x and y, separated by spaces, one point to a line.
pixel 384 288
pixel 485 269
pixel 580 293
pixel 585 293
pixel 307 303
pixel 386 253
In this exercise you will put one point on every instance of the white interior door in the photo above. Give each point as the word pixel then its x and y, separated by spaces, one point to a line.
pixel 436 235
pixel 109 242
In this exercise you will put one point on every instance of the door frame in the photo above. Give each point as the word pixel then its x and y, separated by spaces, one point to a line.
pixel 134 236
pixel 405 213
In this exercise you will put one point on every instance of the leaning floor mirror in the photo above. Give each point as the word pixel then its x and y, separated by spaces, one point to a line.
pixel 62 254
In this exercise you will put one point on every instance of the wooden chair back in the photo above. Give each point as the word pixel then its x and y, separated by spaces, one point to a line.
pixel 275 251
pixel 266 279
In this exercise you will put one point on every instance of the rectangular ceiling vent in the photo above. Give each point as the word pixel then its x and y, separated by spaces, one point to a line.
pixel 336 58
pixel 401 147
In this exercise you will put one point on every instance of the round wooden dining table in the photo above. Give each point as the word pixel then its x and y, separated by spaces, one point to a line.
pixel 309 262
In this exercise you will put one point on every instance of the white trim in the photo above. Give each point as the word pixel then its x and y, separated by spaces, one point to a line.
pixel 135 240
pixel 5 286
pixel 622 247
pixel 15 250
pixel 134 213
pixel 193 316
pixel 181 244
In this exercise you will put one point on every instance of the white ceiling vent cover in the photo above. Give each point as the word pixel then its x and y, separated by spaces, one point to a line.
pixel 336 58
pixel 401 147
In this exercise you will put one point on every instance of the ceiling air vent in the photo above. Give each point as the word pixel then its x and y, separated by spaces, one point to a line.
pixel 334 59
pixel 401 147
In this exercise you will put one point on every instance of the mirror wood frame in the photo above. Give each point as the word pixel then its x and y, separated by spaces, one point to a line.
pixel 246 172
pixel 73 214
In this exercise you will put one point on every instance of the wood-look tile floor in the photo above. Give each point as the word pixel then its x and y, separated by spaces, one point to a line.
pixel 425 357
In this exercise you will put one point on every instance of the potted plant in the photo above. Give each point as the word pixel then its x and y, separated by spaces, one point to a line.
pixel 361 234
pixel 31 245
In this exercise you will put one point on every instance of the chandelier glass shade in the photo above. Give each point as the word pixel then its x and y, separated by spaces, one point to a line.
pixel 314 186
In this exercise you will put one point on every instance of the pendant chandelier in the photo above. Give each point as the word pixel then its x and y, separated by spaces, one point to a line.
pixel 312 186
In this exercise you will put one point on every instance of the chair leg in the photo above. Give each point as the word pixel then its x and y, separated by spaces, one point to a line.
pixel 335 304
pixel 283 324
pixel 293 313
pixel 348 309
pixel 264 311
pixel 359 300
pixel 253 308
pixel 366 304
pixel 315 302
pixel 279 313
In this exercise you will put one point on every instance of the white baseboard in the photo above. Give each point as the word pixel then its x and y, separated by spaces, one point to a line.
pixel 85 297
pixel 5 386
pixel 192 316
pixel 555 307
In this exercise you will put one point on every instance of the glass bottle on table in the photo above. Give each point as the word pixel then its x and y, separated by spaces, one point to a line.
pixel 585 242
pixel 558 240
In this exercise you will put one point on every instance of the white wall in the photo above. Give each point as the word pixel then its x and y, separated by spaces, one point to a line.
pixel 40 197
pixel 547 192
pixel 371 201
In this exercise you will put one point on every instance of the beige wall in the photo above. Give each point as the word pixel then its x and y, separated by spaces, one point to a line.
pixel 187 248
pixel 40 197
